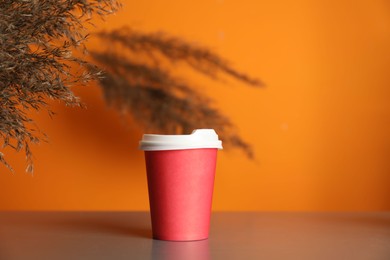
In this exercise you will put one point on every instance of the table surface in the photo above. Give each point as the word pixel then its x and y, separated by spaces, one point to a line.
pixel 233 235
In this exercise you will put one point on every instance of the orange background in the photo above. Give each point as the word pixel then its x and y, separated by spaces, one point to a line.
pixel 320 128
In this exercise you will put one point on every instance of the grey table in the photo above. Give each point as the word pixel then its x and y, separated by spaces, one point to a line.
pixel 250 235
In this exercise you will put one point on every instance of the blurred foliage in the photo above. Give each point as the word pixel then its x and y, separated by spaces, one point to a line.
pixel 138 82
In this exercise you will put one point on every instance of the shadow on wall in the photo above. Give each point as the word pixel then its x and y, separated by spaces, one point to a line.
pixel 141 77
pixel 98 133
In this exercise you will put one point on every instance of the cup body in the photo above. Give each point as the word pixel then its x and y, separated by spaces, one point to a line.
pixel 180 185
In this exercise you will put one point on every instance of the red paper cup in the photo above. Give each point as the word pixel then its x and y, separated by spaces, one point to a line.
pixel 180 171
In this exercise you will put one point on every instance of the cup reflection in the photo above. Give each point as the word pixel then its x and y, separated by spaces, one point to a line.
pixel 189 250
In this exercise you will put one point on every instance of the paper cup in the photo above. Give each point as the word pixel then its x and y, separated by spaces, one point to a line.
pixel 180 171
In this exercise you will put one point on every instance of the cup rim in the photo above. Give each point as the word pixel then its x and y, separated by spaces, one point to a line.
pixel 199 138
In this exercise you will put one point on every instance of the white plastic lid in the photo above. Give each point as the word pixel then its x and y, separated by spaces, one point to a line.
pixel 199 138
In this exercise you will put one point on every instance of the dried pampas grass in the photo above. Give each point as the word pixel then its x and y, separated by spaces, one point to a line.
pixel 36 43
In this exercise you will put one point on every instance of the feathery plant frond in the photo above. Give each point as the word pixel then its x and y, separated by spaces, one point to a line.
pixel 175 49
pixel 37 38
pixel 156 99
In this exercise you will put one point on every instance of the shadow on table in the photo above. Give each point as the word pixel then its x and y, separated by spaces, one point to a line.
pixel 120 223
pixel 106 227
pixel 135 224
